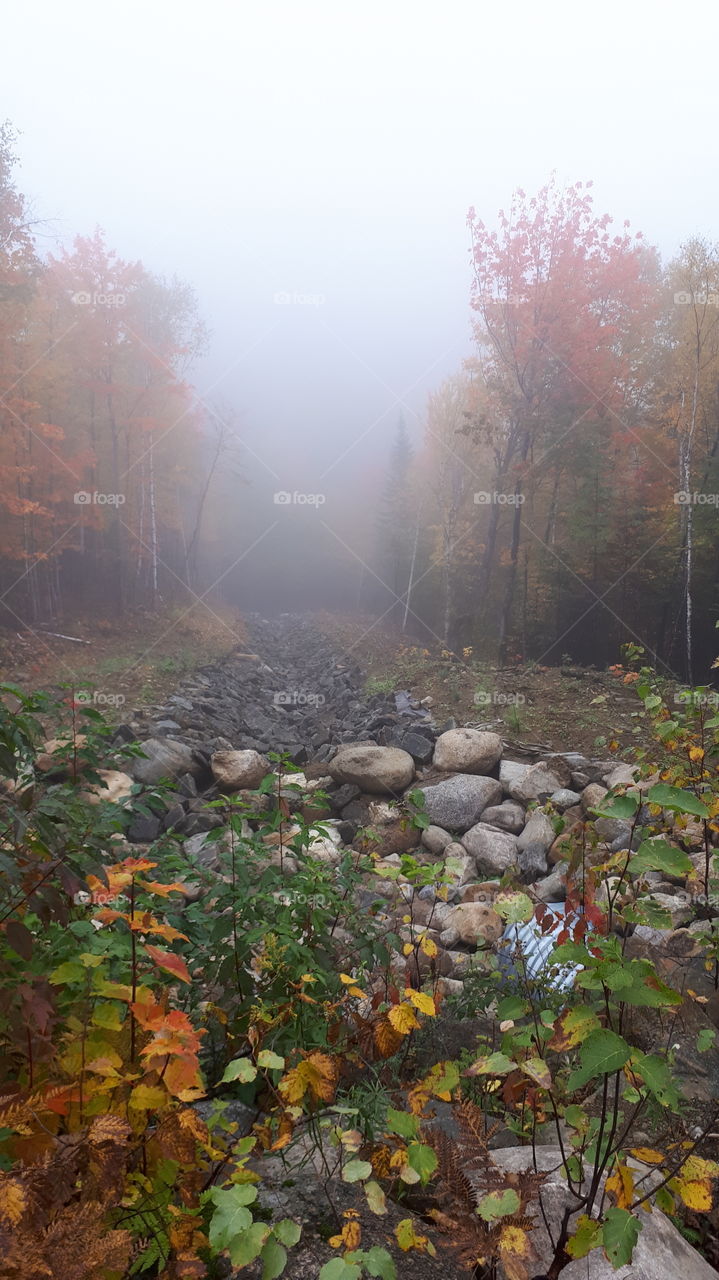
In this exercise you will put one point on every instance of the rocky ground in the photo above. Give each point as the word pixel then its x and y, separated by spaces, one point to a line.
pixel 488 813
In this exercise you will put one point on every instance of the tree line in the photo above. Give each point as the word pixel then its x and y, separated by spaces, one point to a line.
pixel 564 498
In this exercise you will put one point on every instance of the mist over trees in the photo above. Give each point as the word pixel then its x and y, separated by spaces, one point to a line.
pixel 559 497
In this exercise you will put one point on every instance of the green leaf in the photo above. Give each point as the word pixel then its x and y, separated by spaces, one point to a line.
pixel 657 855
pixel 378 1262
pixel 270 1061
pixel 274 1259
pixel 603 1051
pixel 401 1123
pixel 70 971
pixel 241 1069
pixel 654 1071
pixel 587 1236
pixel 230 1217
pixel 495 1064
pixel 619 1236
pixel 338 1269
pixel 706 1039
pixel 287 1231
pixel 622 807
pixel 498 1204
pixel 422 1159
pixel 511 1008
pixel 248 1244
pixel 677 800
pixel 515 908
pixel 376 1198
pixel 355 1170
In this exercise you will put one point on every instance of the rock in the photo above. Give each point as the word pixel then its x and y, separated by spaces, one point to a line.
pixel 417 745
pixel 205 851
pixel 538 783
pixel 511 772
pixel 493 851
pixel 379 770
pixel 144 828
pixel 678 905
pixel 457 803
pixel 592 796
pixel 508 816
pixel 56 754
pixel 660 1252
pixel 613 829
pixel 114 788
pixel 235 770
pixel 565 799
pixel 474 924
pixel 467 751
pixel 486 892
pixel 622 775
pixel 166 758
pixel 538 831
pixel 436 839
pixel 532 862
pixel 552 888
pixel 459 866
pixel 344 795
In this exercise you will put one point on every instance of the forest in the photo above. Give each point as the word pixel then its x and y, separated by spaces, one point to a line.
pixel 558 496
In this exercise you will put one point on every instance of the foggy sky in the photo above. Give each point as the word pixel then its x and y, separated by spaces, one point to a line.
pixel 313 147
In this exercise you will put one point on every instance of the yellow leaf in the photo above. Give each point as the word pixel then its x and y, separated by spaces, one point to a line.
pixel 647 1155
pixel 514 1240
pixel 407 949
pixel 317 1073
pixel 12 1201
pixel 403 1019
pixel 695 1167
pixel 358 992
pixel 421 1001
pixel 429 947
pixel 695 1195
pixel 621 1185
pixel 348 981
pixel 149 1097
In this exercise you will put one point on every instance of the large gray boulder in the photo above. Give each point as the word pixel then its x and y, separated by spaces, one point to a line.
pixel 660 1252
pixel 166 758
pixel 493 851
pixel 457 803
pixel 379 770
pixel 467 751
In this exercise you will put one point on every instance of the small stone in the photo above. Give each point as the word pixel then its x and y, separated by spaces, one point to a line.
pixel 509 816
pixel 436 839
pixel 532 862
pixel 538 831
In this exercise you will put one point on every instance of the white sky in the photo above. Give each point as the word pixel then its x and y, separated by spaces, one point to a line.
pixel 319 147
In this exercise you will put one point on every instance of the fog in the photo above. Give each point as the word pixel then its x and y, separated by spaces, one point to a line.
pixel 308 167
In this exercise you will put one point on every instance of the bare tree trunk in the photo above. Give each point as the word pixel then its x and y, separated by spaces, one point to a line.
pixel 410 584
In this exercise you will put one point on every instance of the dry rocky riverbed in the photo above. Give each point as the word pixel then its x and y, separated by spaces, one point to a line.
pixel 489 814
